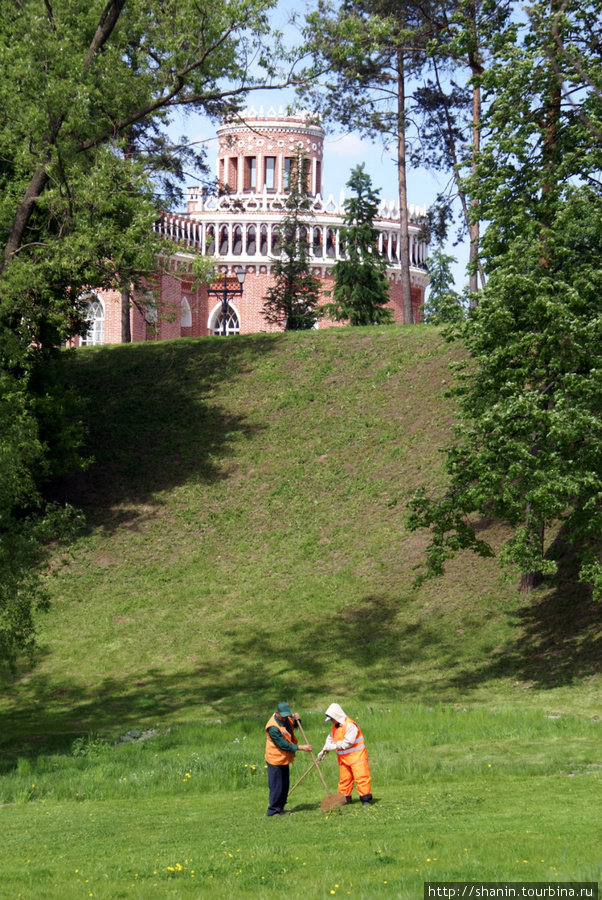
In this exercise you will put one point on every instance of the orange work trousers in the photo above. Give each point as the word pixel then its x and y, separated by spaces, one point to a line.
pixel 354 771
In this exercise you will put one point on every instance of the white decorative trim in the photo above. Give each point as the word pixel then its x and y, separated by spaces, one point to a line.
pixel 213 315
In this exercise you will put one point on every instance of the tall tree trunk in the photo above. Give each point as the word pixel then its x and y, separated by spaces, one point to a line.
pixel 530 580
pixel 23 215
pixel 404 230
pixel 126 331
pixel 474 62
pixel 549 124
pixel 473 228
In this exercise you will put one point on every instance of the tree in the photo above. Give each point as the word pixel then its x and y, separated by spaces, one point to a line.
pixel 444 304
pixel 86 91
pixel 529 449
pixel 100 75
pixel 291 302
pixel 370 49
pixel 571 34
pixel 361 287
pixel 448 110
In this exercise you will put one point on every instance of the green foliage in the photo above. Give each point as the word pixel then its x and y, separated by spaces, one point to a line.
pixel 361 288
pixel 86 93
pixel 444 304
pixel 359 46
pixel 528 450
pixel 291 302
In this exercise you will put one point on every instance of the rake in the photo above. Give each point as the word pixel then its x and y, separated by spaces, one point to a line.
pixel 331 801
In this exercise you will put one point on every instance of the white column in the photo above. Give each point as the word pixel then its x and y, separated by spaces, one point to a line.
pixel 260 174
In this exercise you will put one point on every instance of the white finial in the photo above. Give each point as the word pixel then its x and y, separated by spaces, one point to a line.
pixel 271 113
pixel 261 115
pixel 281 113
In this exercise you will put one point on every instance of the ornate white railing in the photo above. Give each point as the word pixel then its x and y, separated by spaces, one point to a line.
pixel 239 228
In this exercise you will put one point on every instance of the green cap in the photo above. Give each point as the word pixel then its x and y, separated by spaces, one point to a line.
pixel 284 709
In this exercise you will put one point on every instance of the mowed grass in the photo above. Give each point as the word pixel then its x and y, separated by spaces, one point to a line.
pixel 460 794
pixel 245 543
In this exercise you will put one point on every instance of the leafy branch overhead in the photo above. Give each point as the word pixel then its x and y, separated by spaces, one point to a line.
pixel 86 167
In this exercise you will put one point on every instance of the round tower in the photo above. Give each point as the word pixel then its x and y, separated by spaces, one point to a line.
pixel 255 154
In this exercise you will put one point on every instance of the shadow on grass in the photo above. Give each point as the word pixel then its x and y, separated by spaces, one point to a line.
pixel 143 442
pixel 258 669
pixel 559 640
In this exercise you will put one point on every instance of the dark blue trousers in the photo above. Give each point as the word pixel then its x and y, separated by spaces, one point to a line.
pixel 278 783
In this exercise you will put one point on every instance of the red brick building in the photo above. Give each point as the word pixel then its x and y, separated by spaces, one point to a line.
pixel 239 230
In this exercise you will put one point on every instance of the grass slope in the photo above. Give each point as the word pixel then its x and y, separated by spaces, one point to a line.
pixel 245 543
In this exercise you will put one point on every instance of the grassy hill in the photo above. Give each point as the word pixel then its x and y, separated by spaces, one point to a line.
pixel 245 543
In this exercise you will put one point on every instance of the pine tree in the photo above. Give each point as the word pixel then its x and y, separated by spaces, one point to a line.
pixel 370 51
pixel 444 305
pixel 291 302
pixel 361 287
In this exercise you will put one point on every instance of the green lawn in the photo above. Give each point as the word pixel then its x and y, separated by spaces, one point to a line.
pixel 244 544
pixel 461 794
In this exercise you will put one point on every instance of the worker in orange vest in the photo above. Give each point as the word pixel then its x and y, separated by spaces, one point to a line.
pixel 280 749
pixel 348 741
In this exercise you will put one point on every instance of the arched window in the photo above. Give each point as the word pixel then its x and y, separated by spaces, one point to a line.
pixel 275 239
pixel 237 240
pixel 96 322
pixel 330 244
pixel 186 315
pixel 216 321
pixel 223 241
pixel 210 240
pixel 263 240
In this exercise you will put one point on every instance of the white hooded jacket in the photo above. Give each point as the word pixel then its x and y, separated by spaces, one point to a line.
pixel 339 715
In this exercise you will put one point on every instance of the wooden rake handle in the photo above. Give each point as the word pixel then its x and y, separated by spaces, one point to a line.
pixel 316 764
pixel 301 779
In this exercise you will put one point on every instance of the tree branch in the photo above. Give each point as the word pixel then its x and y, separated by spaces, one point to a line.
pixel 108 20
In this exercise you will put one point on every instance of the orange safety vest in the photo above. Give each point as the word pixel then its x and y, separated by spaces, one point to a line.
pixel 357 752
pixel 273 754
